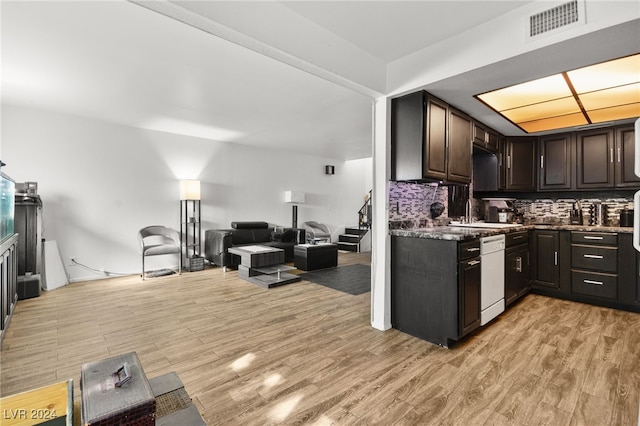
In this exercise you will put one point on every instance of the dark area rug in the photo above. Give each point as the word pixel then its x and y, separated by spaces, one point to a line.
pixel 352 279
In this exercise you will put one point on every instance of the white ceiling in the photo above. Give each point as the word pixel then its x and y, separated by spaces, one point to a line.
pixel 124 63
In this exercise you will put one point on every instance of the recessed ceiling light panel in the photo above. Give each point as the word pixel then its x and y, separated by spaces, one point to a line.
pixel 608 91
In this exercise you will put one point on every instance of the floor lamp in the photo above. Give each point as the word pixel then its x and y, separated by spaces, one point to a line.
pixel 295 198
pixel 190 224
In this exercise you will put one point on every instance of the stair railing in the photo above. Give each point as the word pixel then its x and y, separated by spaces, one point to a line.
pixel 364 214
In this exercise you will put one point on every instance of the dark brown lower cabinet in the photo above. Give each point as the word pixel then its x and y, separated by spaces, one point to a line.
pixel 596 267
pixel 435 288
pixel 469 293
pixel 517 276
pixel 546 259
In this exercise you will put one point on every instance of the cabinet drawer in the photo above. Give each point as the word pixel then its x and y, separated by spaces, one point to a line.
pixel 594 258
pixel 516 238
pixel 594 284
pixel 595 238
pixel 468 249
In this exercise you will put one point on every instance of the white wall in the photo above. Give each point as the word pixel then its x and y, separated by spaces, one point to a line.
pixel 100 183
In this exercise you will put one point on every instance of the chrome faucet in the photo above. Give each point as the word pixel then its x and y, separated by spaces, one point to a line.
pixel 467 211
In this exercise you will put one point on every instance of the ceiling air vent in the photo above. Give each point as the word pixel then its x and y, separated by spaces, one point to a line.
pixel 556 18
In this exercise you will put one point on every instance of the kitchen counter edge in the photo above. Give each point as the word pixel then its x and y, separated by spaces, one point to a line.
pixel 461 234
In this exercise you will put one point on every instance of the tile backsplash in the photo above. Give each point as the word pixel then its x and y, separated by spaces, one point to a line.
pixel 409 205
pixel 544 210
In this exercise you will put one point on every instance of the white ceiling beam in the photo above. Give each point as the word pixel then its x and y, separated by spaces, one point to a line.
pixel 368 78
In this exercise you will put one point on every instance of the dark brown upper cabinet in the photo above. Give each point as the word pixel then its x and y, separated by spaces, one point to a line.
pixel 555 167
pixel 625 158
pixel 520 163
pixel 460 148
pixel 485 138
pixel 595 159
pixel 502 163
pixel 429 140
pixel 606 158
pixel 435 140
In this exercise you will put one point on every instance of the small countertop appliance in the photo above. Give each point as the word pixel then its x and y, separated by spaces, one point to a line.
pixel 499 210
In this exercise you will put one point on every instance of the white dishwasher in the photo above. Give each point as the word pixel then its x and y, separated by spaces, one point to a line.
pixel 491 277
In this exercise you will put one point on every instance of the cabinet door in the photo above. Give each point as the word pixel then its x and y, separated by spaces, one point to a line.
pixel 511 281
pixel 595 159
pixel 521 164
pixel 625 158
pixel 492 140
pixel 517 274
pixel 479 135
pixel 435 149
pixel 555 162
pixel 546 254
pixel 459 148
pixel 469 303
pixel 502 163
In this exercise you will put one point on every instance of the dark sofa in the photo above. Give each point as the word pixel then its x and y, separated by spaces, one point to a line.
pixel 218 241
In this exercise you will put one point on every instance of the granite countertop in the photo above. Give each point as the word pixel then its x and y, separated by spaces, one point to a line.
pixel 461 233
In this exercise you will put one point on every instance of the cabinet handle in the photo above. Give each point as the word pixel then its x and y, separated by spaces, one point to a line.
pixel 542 161
pixel 474 249
pixel 508 161
pixel 593 282
pixel 611 150
pixel 555 258
pixel 518 264
pixel 588 237
pixel 500 159
pixel 473 262
pixel 518 237
pixel 618 154
pixel 593 256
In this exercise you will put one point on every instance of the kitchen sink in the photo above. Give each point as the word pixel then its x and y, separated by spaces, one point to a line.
pixel 485 225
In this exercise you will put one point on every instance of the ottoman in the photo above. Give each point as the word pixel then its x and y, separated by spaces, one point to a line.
pixel 308 257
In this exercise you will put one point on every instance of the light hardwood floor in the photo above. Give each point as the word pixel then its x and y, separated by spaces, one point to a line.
pixel 306 354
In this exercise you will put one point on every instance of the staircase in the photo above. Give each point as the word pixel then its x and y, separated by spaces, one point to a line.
pixel 358 238
pixel 351 240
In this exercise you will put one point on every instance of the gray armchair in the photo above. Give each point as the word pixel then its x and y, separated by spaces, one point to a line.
pixel 318 231
pixel 159 240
